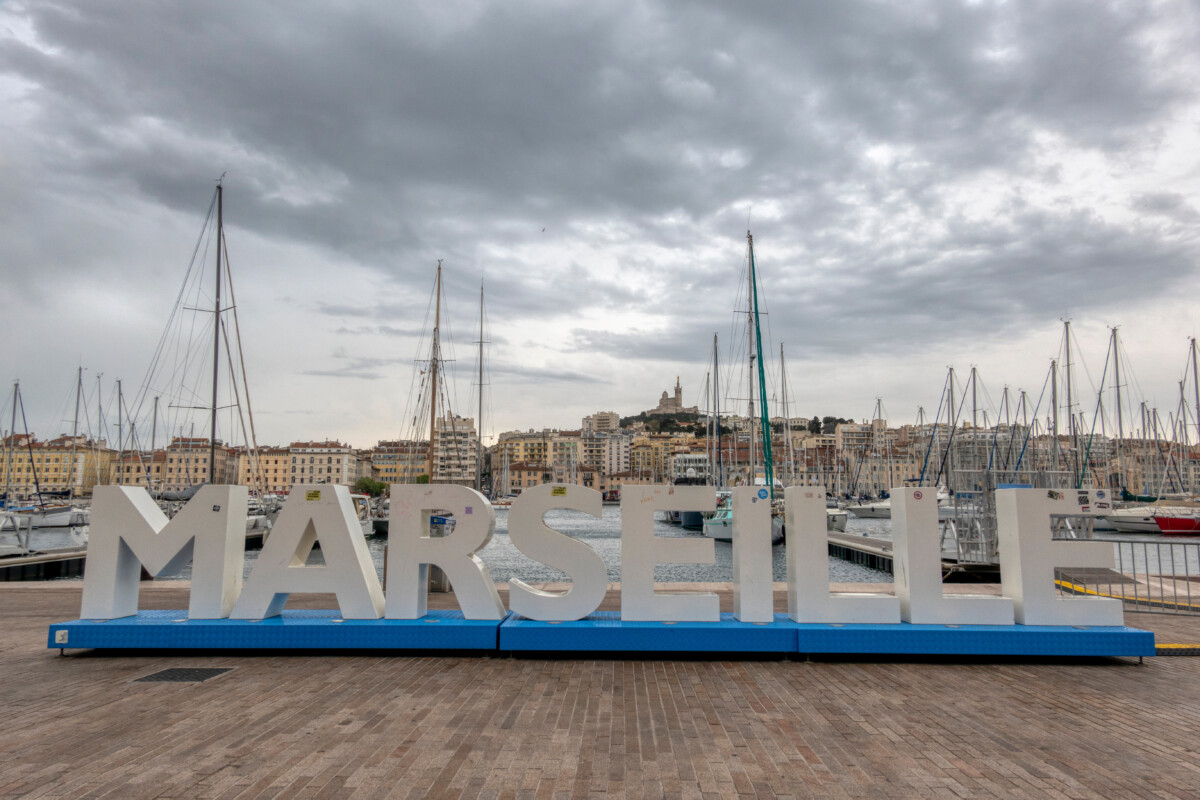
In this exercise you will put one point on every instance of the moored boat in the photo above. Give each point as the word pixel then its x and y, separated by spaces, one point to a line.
pixel 719 526
pixel 53 516
pixel 1139 519
pixel 1178 525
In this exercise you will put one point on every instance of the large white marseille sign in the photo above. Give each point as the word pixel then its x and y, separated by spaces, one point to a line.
pixel 129 532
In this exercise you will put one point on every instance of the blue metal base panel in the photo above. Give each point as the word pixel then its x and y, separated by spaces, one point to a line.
pixel 299 630
pixel 604 631
pixel 975 640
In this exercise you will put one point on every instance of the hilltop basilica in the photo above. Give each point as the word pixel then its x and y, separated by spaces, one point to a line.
pixel 672 405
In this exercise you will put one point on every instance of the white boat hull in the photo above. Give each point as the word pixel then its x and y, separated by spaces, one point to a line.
pixel 872 510
pixel 1134 520
pixel 65 517
pixel 721 529
pixel 835 519
pixel 1132 524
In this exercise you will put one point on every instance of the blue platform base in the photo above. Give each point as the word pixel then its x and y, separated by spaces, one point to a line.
pixel 293 630
pixel 602 631
pixel 975 640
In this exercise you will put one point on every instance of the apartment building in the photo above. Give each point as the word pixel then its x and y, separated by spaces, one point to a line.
pixel 532 447
pixel 321 462
pixel 601 422
pixel 399 461
pixel 136 468
pixel 63 464
pixel 652 453
pixel 454 450
pixel 273 470
pixel 690 465
pixel 520 476
pixel 187 464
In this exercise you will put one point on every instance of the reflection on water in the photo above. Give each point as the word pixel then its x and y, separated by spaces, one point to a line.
pixel 1176 555
pixel 603 535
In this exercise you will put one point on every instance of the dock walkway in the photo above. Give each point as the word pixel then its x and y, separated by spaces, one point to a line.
pixel 330 725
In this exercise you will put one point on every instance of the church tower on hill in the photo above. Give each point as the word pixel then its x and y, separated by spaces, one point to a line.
pixel 672 405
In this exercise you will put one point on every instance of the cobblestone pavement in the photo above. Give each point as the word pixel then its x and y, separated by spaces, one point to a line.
pixel 373 726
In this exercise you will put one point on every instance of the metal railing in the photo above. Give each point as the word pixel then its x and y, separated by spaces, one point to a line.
pixel 1156 576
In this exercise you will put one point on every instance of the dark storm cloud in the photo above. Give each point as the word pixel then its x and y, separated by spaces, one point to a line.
pixel 906 167
pixel 540 375
pixel 366 368
pixel 1168 204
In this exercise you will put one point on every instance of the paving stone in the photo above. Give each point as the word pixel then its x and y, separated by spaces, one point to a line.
pixel 321 725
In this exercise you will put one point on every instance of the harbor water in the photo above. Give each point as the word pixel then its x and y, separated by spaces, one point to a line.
pixel 505 561
pixel 1139 552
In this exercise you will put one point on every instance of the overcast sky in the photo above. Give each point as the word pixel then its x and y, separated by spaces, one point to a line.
pixel 928 184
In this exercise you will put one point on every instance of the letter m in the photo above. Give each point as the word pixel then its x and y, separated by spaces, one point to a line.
pixel 128 531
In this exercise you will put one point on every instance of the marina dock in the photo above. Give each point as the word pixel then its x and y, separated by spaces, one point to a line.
pixel 40 565
pixel 336 725
pixel 69 562
pixel 868 551
pixel 876 553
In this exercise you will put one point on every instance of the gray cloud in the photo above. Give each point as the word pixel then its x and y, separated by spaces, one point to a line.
pixel 361 367
pixel 911 171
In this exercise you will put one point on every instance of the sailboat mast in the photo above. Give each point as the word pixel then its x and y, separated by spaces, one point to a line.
pixel 433 370
pixel 787 420
pixel 750 415
pixel 479 434
pixel 974 400
pixel 1054 408
pixel 952 415
pixel 75 434
pixel 120 431
pixel 717 408
pixel 1117 386
pixel 8 463
pixel 212 438
pixel 764 419
pixel 99 426
pixel 1196 387
pixel 1071 429
pixel 153 438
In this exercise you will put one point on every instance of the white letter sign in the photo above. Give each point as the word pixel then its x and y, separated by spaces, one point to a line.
pixel 534 538
pixel 809 598
pixel 129 531
pixel 753 590
pixel 1028 557
pixel 314 513
pixel 917 559
pixel 641 550
pixel 411 550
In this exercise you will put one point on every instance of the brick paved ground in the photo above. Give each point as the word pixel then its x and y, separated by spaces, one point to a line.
pixel 368 726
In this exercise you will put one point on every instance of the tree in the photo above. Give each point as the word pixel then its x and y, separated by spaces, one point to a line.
pixel 814 425
pixel 370 486
pixel 829 424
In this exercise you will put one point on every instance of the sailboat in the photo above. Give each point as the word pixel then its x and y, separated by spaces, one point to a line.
pixel 720 525
pixel 40 513
pixel 182 368
pixel 441 524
